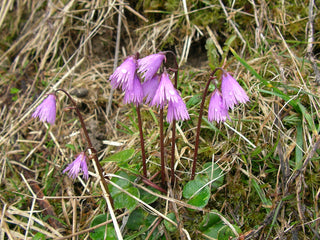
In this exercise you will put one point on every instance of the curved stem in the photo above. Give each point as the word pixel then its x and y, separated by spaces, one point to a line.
pixel 144 165
pixel 94 151
pixel 98 167
pixel 196 147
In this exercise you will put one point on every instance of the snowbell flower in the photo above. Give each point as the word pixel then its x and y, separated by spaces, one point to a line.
pixel 46 111
pixel 165 92
pixel 232 92
pixel 217 109
pixel 150 65
pixel 134 95
pixel 77 166
pixel 124 74
pixel 150 87
pixel 177 111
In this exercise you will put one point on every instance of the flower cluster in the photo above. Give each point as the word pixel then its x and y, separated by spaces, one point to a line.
pixel 157 89
pixel 231 94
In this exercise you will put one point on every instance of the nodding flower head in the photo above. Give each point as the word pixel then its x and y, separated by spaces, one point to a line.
pixel 177 111
pixel 165 92
pixel 217 109
pixel 124 74
pixel 77 166
pixel 150 87
pixel 232 92
pixel 150 65
pixel 135 95
pixel 46 111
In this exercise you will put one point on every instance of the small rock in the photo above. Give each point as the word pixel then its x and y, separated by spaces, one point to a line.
pixel 80 92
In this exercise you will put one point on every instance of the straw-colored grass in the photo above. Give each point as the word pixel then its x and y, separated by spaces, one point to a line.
pixel 268 151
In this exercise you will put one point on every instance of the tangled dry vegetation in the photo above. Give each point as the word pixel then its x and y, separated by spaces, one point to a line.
pixel 268 152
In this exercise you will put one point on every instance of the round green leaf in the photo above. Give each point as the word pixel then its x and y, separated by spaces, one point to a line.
pixel 201 198
pixel 213 231
pixel 169 226
pixel 136 219
pixel 100 233
pixel 123 183
pixel 202 177
pixel 209 220
pixel 122 200
pixel 225 232
pixel 213 171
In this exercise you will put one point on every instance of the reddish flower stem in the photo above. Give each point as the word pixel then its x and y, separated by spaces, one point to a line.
pixel 94 151
pixel 196 146
pixel 151 184
pixel 144 165
pixel 163 175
